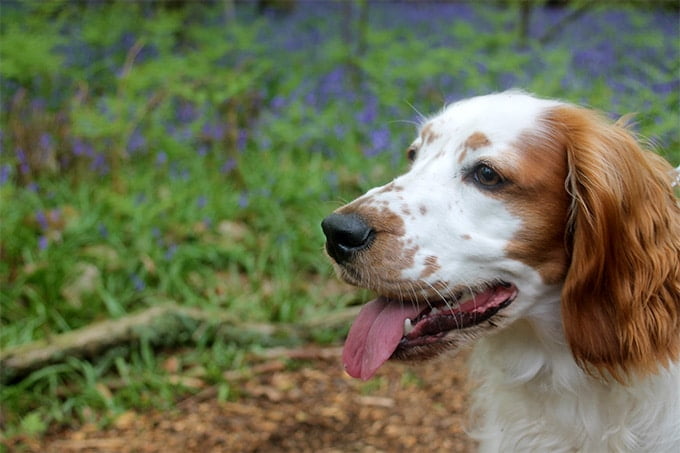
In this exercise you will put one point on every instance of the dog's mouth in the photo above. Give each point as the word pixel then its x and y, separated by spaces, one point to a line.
pixel 388 328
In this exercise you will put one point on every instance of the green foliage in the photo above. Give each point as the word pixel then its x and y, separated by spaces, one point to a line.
pixel 154 154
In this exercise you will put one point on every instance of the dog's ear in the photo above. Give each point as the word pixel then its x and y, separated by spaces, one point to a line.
pixel 621 297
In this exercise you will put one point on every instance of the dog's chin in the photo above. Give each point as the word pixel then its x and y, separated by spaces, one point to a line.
pixel 449 343
pixel 449 331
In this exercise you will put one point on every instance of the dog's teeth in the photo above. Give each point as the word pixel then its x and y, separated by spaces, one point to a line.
pixel 435 311
pixel 408 326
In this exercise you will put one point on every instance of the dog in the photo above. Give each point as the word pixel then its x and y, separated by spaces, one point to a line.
pixel 546 237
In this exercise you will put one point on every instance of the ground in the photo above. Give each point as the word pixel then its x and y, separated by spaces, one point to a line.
pixel 312 406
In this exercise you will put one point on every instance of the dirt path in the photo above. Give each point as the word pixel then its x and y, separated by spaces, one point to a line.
pixel 310 407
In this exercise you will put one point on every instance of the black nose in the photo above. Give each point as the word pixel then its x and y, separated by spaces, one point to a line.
pixel 346 234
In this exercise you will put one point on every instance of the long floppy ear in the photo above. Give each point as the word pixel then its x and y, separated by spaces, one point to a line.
pixel 621 297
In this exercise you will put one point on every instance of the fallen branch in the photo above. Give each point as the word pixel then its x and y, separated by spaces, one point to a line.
pixel 159 325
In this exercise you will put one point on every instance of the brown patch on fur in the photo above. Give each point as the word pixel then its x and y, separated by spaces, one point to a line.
pixel 429 136
pixel 467 237
pixel 475 141
pixel 431 266
pixel 388 188
pixel 620 302
pixel 536 195
pixel 422 209
pixel 381 265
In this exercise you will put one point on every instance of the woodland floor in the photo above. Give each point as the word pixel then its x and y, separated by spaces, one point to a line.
pixel 312 406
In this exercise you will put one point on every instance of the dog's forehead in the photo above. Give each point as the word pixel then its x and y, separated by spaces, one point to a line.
pixel 481 121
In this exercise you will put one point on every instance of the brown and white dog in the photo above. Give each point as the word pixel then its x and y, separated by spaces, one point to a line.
pixel 547 237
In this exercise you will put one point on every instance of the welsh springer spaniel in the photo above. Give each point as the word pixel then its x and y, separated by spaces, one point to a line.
pixel 546 236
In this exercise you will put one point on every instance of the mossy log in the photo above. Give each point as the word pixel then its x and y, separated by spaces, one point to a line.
pixel 161 325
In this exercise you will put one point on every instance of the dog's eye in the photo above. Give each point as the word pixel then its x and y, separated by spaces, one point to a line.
pixel 486 176
pixel 411 154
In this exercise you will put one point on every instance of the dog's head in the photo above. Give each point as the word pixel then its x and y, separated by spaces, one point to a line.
pixel 507 201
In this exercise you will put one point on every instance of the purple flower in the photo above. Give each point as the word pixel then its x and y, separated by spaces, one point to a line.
pixel 201 202
pixel 278 102
pixel 43 242
pixel 161 158
pixel 186 113
pixel 45 140
pixel 242 139
pixel 23 161
pixel 170 252
pixel 99 164
pixel 228 165
pixel 136 142
pixel 41 218
pixel 380 139
pixel 103 231
pixel 137 282
pixel 81 148
pixel 5 173
pixel 243 200
pixel 214 131
pixel 369 113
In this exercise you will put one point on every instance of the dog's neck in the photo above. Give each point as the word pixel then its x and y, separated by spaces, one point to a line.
pixel 531 389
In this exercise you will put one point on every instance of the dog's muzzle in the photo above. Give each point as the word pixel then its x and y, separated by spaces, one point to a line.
pixel 346 235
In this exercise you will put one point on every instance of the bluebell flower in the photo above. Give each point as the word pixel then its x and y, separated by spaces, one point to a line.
pixel 99 164
pixel 170 251
pixel 136 142
pixel 243 200
pixel 41 218
pixel 228 165
pixel 214 131
pixel 80 148
pixel 186 112
pixel 380 139
pixel 339 130
pixel 45 140
pixel 137 282
pixel 242 140
pixel 201 202
pixel 43 242
pixel 332 180
pixel 103 230
pixel 24 168
pixel 5 173
pixel 161 158
pixel 369 113
pixel 278 102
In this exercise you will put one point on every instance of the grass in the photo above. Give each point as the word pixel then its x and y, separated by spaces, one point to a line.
pixel 182 154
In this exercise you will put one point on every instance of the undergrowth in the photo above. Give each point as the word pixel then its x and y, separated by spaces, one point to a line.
pixel 186 153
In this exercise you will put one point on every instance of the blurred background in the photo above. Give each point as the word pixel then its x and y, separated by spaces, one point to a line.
pixel 165 165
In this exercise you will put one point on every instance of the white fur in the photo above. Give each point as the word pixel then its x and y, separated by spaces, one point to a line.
pixel 533 397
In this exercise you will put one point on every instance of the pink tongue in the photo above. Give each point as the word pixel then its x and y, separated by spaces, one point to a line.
pixel 375 335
